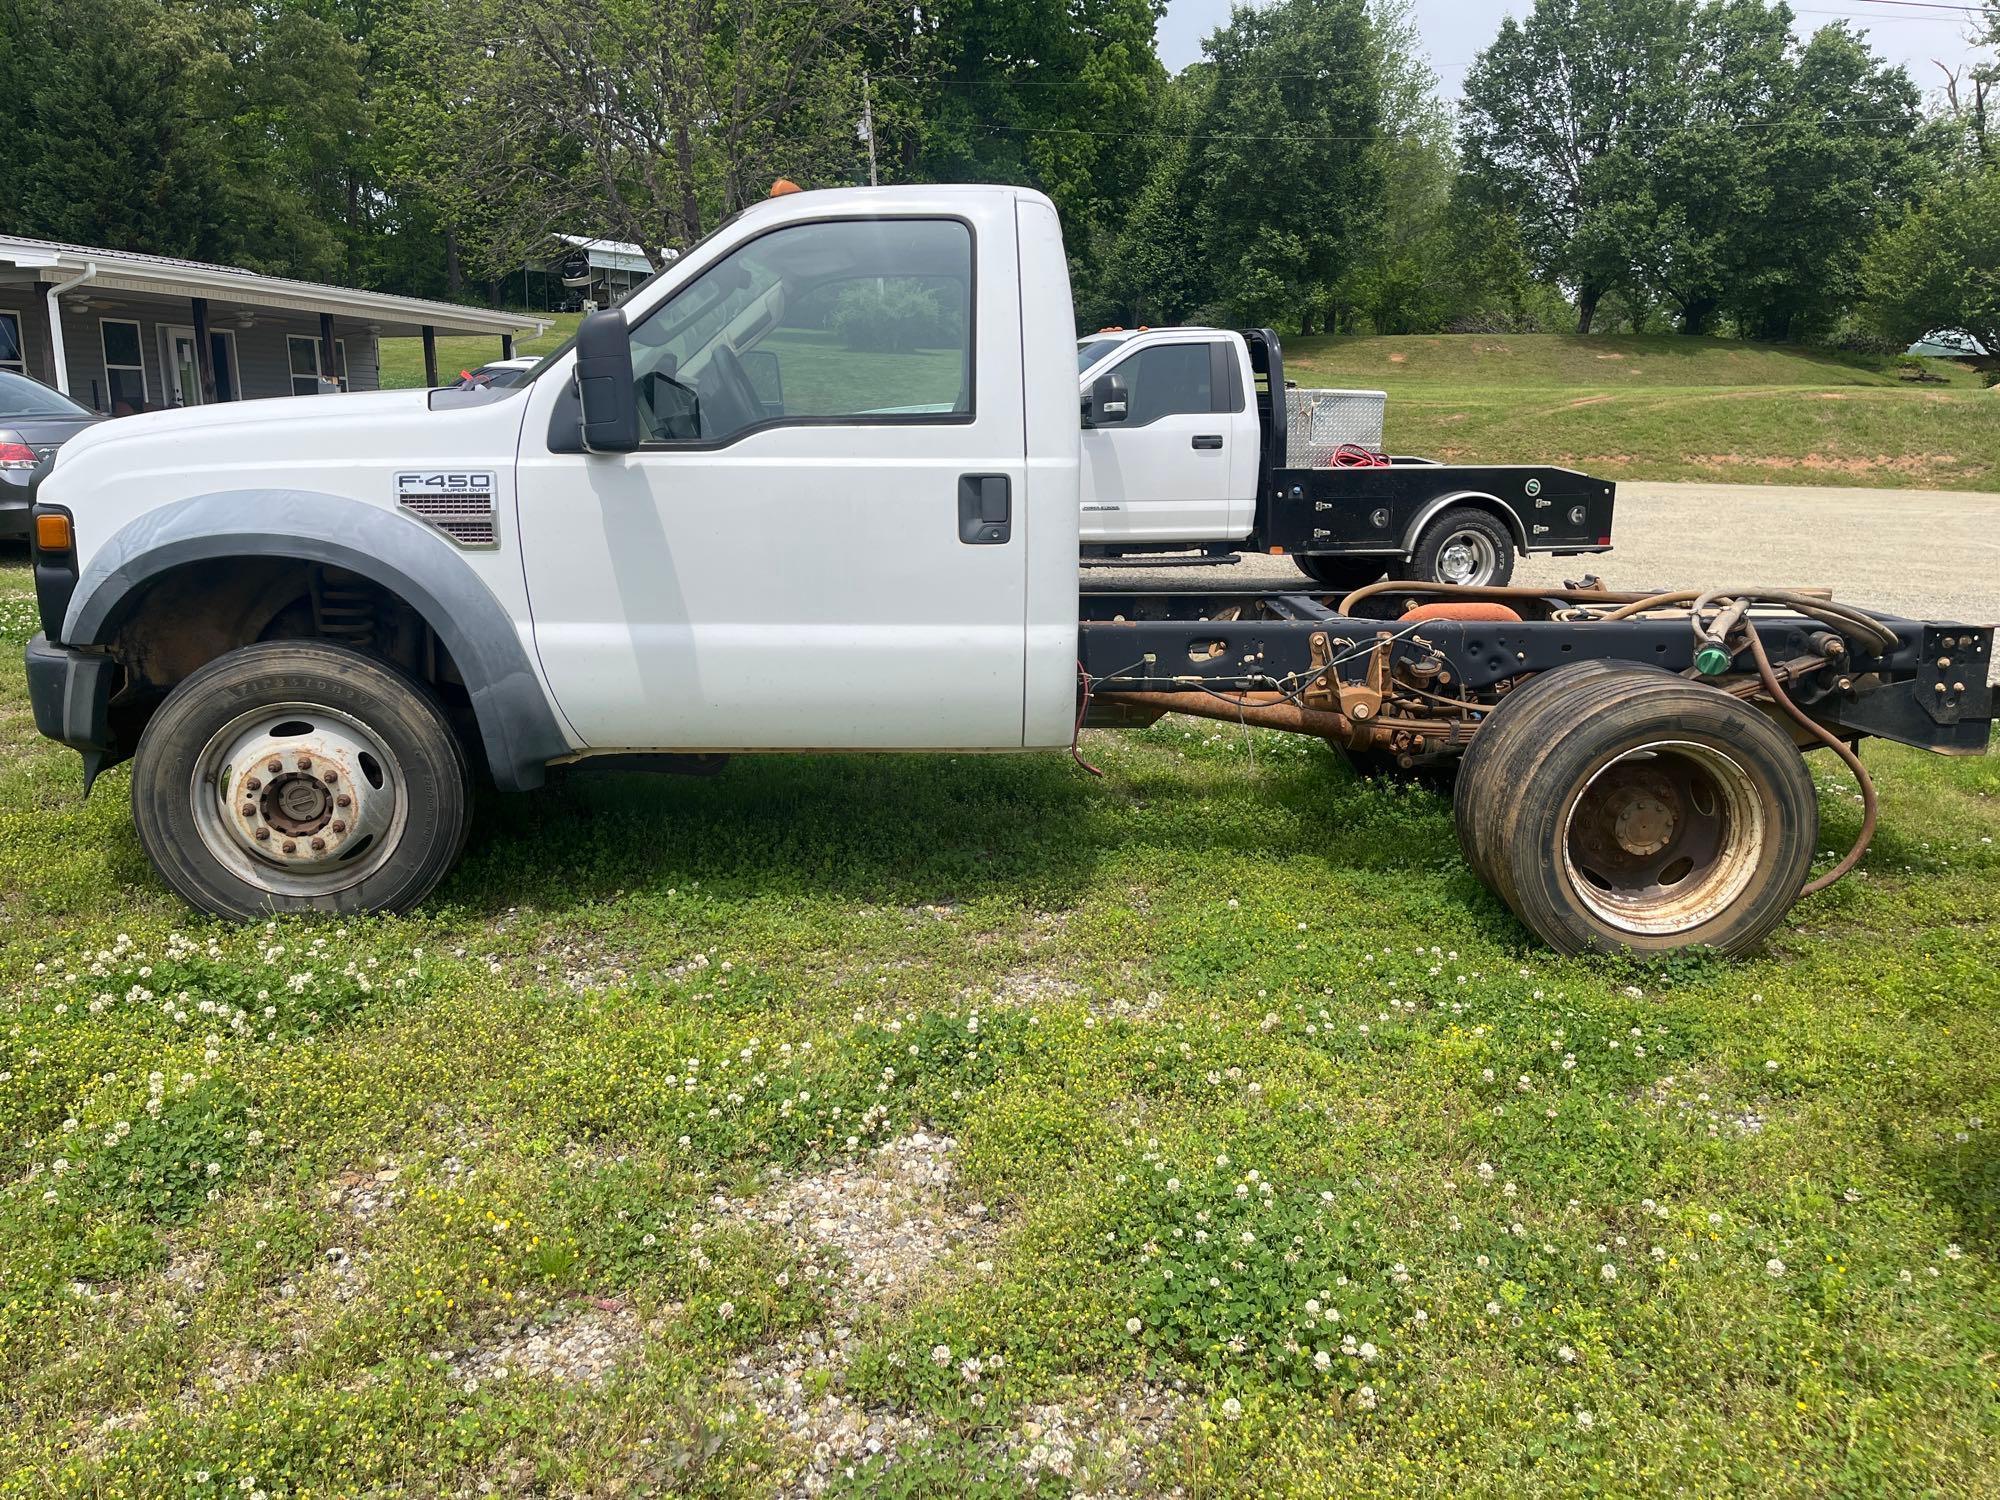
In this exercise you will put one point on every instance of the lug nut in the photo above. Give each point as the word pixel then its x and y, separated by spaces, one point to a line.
pixel 343 800
pixel 1938 689
pixel 319 845
pixel 290 847
pixel 330 777
pixel 1958 687
pixel 262 834
pixel 305 762
pixel 249 809
pixel 274 766
pixel 1943 662
pixel 252 784
pixel 338 826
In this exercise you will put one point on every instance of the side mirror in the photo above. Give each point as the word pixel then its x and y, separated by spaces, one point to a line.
pixel 604 384
pixel 1108 402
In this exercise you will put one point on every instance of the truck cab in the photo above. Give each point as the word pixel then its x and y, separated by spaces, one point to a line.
pixel 1182 466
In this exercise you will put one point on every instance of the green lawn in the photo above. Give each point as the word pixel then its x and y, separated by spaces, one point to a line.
pixel 403 359
pixel 1670 408
pixel 576 1182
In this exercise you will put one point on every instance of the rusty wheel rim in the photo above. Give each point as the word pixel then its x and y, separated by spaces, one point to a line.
pixel 298 799
pixel 1664 838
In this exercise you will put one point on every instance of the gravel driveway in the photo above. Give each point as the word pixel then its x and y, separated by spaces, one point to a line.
pixel 1929 554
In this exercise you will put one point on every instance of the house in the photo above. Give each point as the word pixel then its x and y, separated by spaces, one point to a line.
pixel 605 272
pixel 121 331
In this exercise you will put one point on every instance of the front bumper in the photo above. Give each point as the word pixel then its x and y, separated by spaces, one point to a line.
pixel 71 694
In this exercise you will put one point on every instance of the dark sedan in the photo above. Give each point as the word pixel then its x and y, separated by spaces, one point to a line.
pixel 34 422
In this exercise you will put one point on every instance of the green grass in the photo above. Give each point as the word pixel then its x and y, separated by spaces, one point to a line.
pixel 1671 408
pixel 1625 407
pixel 639 998
pixel 403 359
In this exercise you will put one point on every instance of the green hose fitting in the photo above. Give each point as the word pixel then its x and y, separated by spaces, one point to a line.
pixel 1712 660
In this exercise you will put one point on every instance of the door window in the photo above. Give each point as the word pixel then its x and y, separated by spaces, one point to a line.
pixel 12 356
pixel 304 354
pixel 1167 380
pixel 124 366
pixel 843 322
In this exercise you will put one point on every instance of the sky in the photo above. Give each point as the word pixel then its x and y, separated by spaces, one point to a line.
pixel 1455 31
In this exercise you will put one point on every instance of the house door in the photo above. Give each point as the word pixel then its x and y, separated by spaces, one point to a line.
pixel 182 365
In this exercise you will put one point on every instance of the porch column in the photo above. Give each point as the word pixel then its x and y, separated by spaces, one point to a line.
pixel 430 355
pixel 328 369
pixel 506 346
pixel 204 351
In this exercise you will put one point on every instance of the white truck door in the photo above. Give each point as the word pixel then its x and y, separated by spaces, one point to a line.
pixel 819 543
pixel 1171 471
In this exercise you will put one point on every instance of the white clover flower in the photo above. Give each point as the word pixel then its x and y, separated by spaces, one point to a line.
pixel 1322 1361
pixel 941 1355
pixel 1133 1325
pixel 1774 1267
pixel 1231 1407
pixel 1608 1271
pixel 1585 1420
pixel 1365 1398
pixel 726 1311
pixel 1566 1354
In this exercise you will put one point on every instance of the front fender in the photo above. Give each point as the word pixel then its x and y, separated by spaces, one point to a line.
pixel 516 722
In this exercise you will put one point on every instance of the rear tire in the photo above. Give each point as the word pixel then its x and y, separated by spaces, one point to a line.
pixel 1467 547
pixel 1637 812
pixel 296 776
pixel 1478 788
pixel 1343 574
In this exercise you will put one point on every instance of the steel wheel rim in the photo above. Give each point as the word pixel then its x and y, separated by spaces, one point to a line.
pixel 1664 838
pixel 330 814
pixel 1468 556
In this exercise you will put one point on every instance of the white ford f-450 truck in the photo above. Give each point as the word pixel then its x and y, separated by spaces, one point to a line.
pixel 1210 452
pixel 712 525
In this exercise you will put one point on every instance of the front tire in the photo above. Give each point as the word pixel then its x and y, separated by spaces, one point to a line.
pixel 295 776
pixel 1466 547
pixel 1342 574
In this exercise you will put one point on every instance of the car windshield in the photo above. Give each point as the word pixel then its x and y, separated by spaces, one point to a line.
pixel 1093 351
pixel 22 397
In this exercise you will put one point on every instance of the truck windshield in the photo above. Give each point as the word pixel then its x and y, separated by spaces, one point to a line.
pixel 1093 351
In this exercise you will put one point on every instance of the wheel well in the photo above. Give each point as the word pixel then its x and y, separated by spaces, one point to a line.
pixel 1510 522
pixel 189 615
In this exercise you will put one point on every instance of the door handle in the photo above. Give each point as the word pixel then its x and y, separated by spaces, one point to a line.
pixel 985 509
pixel 1209 440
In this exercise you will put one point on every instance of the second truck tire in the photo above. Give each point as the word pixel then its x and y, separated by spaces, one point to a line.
pixel 1464 546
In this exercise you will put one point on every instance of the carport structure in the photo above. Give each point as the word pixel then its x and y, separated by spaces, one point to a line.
pixel 123 331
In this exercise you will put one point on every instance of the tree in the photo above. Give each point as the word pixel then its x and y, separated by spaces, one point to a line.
pixel 1560 114
pixel 642 120
pixel 1938 270
pixel 1293 187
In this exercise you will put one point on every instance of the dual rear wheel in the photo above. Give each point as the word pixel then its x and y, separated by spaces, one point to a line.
pixel 1616 807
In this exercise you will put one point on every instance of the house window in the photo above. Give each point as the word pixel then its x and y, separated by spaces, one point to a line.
pixel 305 364
pixel 12 355
pixel 124 365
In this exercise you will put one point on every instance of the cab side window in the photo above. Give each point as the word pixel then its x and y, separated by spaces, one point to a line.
pixel 836 322
pixel 1167 380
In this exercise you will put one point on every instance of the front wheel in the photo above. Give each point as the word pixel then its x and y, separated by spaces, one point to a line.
pixel 1342 574
pixel 1466 547
pixel 300 776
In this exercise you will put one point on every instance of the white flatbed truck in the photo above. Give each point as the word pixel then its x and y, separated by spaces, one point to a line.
pixel 1193 453
pixel 708 527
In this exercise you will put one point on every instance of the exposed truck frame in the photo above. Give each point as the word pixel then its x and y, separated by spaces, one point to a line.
pixel 311 624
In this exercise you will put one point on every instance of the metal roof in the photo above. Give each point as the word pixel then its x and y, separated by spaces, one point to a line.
pixel 167 275
pixel 616 255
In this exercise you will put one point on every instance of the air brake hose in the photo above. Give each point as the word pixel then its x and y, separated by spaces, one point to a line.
pixel 1833 742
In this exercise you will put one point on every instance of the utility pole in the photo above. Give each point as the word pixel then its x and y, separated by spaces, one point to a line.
pixel 868 127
